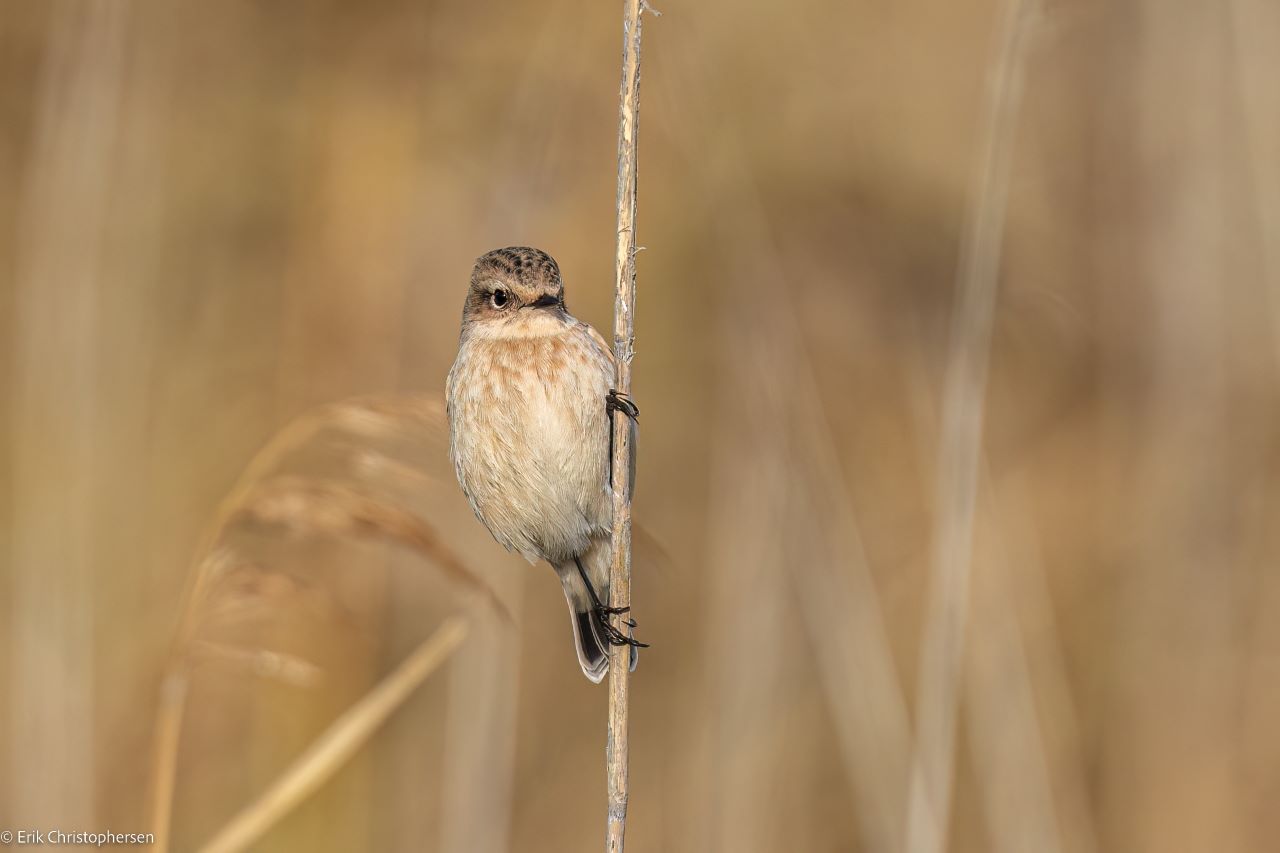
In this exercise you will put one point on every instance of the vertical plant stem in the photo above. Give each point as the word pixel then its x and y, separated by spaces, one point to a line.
pixel 964 392
pixel 59 412
pixel 624 351
pixel 164 758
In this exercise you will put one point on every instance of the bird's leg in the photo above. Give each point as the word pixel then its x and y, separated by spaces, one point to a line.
pixel 616 401
pixel 603 612
pixel 595 597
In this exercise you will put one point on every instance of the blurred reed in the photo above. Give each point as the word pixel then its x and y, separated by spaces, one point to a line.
pixel 331 508
pixel 55 400
pixel 960 439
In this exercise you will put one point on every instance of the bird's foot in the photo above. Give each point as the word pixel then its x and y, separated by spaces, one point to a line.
pixel 615 401
pixel 612 634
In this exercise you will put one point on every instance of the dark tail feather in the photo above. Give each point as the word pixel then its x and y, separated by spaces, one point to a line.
pixel 593 655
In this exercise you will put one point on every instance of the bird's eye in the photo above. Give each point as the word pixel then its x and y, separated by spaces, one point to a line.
pixel 499 298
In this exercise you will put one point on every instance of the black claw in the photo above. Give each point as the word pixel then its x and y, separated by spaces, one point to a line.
pixel 613 636
pixel 618 402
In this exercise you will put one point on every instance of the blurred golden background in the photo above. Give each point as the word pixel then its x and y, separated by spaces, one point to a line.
pixel 218 216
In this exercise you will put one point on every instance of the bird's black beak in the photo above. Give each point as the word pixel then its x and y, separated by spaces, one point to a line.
pixel 545 302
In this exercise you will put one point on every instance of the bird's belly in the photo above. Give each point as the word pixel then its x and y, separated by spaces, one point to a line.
pixel 531 450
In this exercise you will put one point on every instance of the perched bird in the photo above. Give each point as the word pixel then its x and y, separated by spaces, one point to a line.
pixel 530 402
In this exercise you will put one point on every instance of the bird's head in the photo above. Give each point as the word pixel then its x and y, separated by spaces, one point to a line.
pixel 515 292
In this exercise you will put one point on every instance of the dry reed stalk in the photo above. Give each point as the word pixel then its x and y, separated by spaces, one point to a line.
pixel 1246 66
pixel 340 741
pixel 1048 707
pixel 304 506
pixel 1009 742
pixel 748 500
pixel 58 409
pixel 964 390
pixel 479 751
pixel 1192 446
pixel 837 596
pixel 616 756
pixel 840 603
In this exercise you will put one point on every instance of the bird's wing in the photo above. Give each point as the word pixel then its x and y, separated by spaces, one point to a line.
pixel 604 345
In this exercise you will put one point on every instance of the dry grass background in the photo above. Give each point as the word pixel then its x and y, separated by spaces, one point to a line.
pixel 219 216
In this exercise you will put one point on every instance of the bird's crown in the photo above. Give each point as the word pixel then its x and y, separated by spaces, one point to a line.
pixel 528 269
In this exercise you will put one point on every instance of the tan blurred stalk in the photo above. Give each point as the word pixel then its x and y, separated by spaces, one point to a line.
pixel 826 566
pixel 747 626
pixel 1034 796
pixel 480 729
pixel 1253 66
pixel 1024 729
pixel 56 406
pixel 788 531
pixel 963 403
pixel 1194 449
pixel 844 621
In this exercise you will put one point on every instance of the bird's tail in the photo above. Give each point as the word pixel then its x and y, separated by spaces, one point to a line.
pixel 588 634
pixel 593 650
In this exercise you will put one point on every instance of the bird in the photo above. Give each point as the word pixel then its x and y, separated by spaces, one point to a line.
pixel 530 406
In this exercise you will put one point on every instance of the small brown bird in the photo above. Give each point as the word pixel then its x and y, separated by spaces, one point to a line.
pixel 530 400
